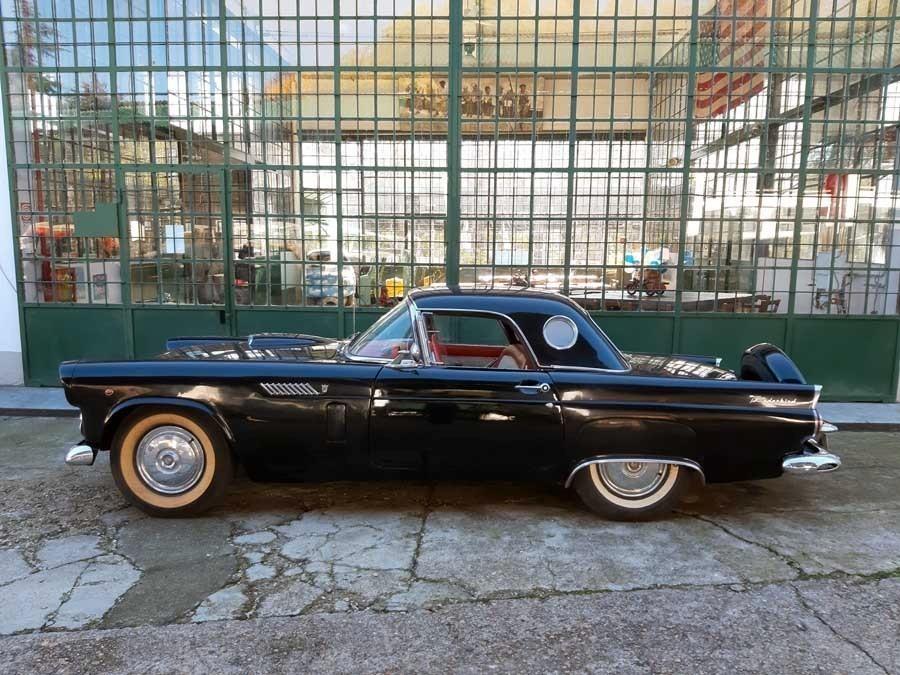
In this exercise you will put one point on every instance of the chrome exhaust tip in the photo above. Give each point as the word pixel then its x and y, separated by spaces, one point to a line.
pixel 817 461
pixel 81 455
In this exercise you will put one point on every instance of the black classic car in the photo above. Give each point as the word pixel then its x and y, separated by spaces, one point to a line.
pixel 448 383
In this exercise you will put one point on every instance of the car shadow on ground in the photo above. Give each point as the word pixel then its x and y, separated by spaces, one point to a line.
pixel 858 486
pixel 246 497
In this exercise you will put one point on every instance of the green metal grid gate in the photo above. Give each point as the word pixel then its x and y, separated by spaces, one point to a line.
pixel 231 166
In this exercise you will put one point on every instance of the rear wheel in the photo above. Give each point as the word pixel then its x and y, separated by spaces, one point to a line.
pixel 631 490
pixel 170 463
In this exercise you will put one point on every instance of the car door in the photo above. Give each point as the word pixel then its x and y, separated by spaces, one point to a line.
pixel 463 414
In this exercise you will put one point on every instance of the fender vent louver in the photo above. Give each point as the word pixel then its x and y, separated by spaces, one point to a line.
pixel 289 389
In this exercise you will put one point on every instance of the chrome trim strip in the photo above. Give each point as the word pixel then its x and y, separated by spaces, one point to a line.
pixel 419 331
pixel 689 463
pixel 816 395
pixel 828 427
pixel 588 369
pixel 363 359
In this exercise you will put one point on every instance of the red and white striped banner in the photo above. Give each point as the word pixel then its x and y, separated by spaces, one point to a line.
pixel 737 37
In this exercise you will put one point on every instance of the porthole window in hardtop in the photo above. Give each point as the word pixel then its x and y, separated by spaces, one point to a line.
pixel 387 337
pixel 475 341
pixel 560 332
pixel 590 348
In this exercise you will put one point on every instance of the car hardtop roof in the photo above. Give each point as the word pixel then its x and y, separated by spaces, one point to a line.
pixel 429 296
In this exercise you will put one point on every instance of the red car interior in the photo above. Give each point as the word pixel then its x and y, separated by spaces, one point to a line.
pixel 509 357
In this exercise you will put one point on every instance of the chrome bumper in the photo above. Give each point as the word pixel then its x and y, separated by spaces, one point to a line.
pixel 81 455
pixel 814 458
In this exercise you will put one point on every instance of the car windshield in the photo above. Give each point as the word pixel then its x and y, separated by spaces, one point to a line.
pixel 387 337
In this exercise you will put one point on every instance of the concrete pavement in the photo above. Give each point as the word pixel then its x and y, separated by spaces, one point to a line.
pixel 863 416
pixel 35 401
pixel 829 626
pixel 794 574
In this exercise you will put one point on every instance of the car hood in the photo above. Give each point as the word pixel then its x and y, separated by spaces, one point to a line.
pixel 677 366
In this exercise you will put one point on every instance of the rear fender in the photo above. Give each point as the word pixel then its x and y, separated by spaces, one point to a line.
pixel 635 438
pixel 119 412
pixel 635 435
pixel 677 461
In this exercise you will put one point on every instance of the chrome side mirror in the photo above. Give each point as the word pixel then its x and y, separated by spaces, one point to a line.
pixel 404 361
pixel 408 358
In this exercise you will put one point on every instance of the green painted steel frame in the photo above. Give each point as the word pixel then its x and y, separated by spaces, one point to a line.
pixel 677 331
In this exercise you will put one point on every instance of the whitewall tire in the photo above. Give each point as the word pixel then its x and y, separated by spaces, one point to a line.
pixel 631 490
pixel 170 463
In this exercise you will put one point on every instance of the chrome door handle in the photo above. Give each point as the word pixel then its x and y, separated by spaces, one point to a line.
pixel 532 389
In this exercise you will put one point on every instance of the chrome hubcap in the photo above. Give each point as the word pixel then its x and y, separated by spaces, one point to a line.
pixel 633 480
pixel 170 459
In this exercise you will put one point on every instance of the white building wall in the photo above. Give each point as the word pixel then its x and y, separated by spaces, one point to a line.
pixel 10 340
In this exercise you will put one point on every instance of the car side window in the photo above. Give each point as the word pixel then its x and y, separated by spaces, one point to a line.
pixel 475 341
pixel 387 338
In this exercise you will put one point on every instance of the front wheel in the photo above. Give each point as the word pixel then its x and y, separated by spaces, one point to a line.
pixel 170 463
pixel 631 490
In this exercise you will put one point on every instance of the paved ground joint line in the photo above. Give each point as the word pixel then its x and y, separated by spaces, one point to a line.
pixel 787 560
pixel 808 607
pixel 427 508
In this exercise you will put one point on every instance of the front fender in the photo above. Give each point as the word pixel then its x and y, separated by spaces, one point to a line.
pixel 117 414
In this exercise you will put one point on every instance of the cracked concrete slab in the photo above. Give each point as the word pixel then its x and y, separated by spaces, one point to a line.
pixel 254 538
pixel 182 563
pixel 12 566
pixel 866 616
pixel 710 630
pixel 28 603
pixel 64 550
pixel 510 550
pixel 821 542
pixel 463 566
pixel 96 591
pixel 226 603
pixel 289 599
pixel 259 571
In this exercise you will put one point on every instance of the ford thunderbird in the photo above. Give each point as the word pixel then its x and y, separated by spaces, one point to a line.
pixel 450 382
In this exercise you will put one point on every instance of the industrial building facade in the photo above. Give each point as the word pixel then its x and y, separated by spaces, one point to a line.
pixel 701 175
